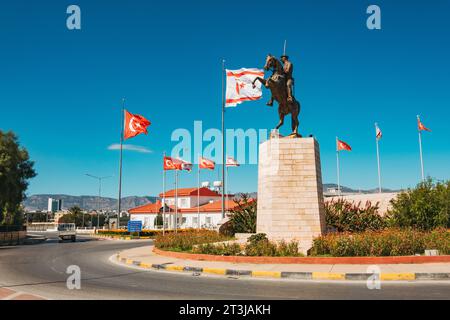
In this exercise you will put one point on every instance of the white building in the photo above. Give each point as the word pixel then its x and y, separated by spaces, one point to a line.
pixel 210 209
pixel 54 205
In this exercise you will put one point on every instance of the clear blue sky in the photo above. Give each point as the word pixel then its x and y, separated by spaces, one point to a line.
pixel 61 89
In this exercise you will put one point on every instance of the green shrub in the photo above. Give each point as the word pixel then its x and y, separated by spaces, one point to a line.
pixel 243 217
pixel 389 242
pixel 259 246
pixel 185 241
pixel 346 216
pixel 426 207
pixel 257 238
pixel 223 249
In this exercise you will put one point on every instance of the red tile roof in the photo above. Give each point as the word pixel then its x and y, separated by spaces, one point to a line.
pixel 183 192
pixel 147 208
pixel 215 206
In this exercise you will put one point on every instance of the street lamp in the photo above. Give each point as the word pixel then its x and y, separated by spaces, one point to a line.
pixel 99 194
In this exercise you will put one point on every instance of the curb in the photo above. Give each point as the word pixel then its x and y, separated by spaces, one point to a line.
pixel 121 237
pixel 305 260
pixel 286 274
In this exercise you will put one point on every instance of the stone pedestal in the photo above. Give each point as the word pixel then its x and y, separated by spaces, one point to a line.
pixel 290 195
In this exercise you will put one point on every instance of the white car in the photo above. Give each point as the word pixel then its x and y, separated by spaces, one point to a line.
pixel 67 231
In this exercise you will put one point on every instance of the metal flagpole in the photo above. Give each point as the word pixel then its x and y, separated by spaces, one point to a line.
pixel 198 193
pixel 226 183
pixel 120 163
pixel 164 195
pixel 284 48
pixel 378 160
pixel 223 139
pixel 420 149
pixel 176 201
pixel 337 165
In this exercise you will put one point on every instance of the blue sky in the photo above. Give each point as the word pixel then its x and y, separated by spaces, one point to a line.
pixel 61 89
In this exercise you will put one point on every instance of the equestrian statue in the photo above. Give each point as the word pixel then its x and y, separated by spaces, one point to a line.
pixel 281 84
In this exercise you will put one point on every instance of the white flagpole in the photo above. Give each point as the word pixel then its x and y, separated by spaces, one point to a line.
pixel 378 159
pixel 120 163
pixel 176 201
pixel 420 149
pixel 226 183
pixel 164 196
pixel 223 139
pixel 337 167
pixel 198 193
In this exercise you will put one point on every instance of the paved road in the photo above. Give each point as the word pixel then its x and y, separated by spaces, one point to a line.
pixel 40 269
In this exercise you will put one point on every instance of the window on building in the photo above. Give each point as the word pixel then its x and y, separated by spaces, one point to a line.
pixel 195 221
pixel 183 203
pixel 208 220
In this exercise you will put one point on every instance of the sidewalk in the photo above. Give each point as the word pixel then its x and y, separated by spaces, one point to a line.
pixel 145 258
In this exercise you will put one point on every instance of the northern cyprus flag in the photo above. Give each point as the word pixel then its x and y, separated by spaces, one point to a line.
pixel 240 86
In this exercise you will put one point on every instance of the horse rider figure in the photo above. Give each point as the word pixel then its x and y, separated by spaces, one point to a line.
pixel 288 69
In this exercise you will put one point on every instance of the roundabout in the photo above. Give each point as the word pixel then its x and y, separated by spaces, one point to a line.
pixel 41 270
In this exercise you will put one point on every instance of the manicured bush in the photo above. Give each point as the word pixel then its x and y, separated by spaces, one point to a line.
pixel 243 217
pixel 257 245
pixel 426 207
pixel 223 249
pixel 185 241
pixel 388 242
pixel 347 216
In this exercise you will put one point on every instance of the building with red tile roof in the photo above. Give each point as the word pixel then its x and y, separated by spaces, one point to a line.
pixel 209 207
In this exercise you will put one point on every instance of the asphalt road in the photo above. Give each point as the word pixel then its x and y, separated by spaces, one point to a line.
pixel 41 269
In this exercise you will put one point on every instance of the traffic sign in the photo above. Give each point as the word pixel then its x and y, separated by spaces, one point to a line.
pixel 134 226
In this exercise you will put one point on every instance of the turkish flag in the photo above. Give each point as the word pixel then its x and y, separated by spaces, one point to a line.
pixel 176 164
pixel 134 125
pixel 421 126
pixel 341 145
pixel 204 163
pixel 172 164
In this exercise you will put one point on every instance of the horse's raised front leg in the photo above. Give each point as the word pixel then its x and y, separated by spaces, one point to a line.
pixel 262 80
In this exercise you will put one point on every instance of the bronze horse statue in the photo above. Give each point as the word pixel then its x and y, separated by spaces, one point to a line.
pixel 277 85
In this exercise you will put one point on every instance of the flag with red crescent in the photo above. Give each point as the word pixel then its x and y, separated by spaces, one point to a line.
pixel 204 163
pixel 172 164
pixel 341 145
pixel 134 124
pixel 420 125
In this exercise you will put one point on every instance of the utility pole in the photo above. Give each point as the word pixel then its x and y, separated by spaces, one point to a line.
pixel 99 208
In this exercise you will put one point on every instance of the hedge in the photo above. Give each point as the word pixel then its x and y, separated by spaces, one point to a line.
pixel 389 242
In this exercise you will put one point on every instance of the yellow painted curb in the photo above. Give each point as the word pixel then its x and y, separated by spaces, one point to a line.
pixel 129 261
pixel 214 271
pixel 397 276
pixel 328 276
pixel 145 265
pixel 271 274
pixel 174 268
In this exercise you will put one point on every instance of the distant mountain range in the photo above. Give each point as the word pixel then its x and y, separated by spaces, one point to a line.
pixel 40 201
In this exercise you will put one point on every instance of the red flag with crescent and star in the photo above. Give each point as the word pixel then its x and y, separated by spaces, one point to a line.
pixel 134 124
pixel 420 125
pixel 341 145
pixel 172 164
pixel 204 163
